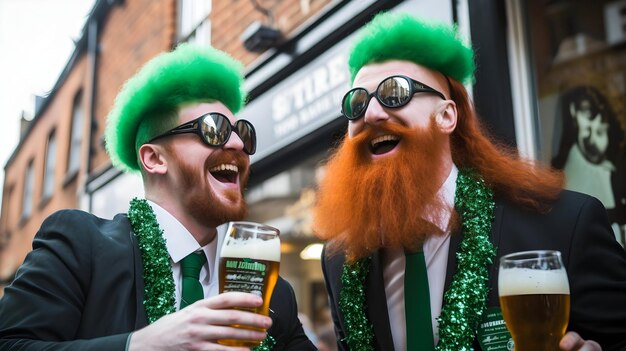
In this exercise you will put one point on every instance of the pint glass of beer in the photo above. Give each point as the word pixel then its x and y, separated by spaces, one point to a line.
pixel 534 297
pixel 249 262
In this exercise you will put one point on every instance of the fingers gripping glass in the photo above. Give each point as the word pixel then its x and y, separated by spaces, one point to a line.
pixel 393 92
pixel 215 130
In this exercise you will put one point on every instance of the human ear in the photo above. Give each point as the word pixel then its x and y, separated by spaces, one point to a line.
pixel 152 159
pixel 446 116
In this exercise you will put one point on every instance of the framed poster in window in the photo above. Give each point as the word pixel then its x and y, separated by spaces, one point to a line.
pixel 578 54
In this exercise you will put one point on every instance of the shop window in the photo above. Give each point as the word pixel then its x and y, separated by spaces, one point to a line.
pixel 285 201
pixel 48 176
pixel 193 21
pixel 578 53
pixel 114 196
pixel 76 136
pixel 27 196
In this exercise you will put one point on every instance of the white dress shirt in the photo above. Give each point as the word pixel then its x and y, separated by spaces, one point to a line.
pixel 180 243
pixel 436 255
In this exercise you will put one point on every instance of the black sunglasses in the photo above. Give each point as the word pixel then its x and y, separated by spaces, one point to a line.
pixel 393 92
pixel 215 129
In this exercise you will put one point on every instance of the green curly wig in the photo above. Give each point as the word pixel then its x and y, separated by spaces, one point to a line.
pixel 400 36
pixel 148 103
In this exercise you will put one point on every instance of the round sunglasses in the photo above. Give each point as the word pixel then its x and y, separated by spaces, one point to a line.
pixel 215 129
pixel 392 92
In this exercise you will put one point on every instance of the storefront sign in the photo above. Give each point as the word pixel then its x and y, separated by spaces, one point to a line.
pixel 303 102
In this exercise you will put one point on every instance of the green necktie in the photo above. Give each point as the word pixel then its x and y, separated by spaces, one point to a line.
pixel 419 331
pixel 190 267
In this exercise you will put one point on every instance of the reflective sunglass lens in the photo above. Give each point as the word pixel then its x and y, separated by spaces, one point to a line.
pixel 394 91
pixel 247 135
pixel 355 103
pixel 214 129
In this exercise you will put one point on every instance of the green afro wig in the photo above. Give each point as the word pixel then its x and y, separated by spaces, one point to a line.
pixel 148 103
pixel 400 36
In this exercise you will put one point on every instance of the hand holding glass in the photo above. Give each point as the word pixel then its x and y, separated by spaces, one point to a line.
pixel 249 262
pixel 534 297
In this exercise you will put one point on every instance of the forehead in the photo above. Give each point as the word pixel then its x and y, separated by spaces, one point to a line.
pixel 192 111
pixel 369 76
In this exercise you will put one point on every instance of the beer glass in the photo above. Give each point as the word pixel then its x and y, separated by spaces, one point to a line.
pixel 534 297
pixel 249 262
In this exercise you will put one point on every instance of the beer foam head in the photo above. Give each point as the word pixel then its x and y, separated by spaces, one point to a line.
pixel 268 250
pixel 525 281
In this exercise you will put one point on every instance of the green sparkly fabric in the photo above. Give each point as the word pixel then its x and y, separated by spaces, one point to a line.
pixel 266 345
pixel 159 298
pixel 465 300
pixel 359 331
pixel 158 279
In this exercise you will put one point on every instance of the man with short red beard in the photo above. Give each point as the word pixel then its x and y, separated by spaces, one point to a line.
pixel 122 284
pixel 417 183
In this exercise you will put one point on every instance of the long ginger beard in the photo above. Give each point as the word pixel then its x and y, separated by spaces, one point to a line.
pixel 365 204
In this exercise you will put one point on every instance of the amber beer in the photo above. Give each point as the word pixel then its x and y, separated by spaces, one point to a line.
pixel 535 299
pixel 249 262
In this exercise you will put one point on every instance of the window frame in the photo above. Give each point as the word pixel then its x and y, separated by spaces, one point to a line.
pixel 28 191
pixel 74 147
pixel 50 159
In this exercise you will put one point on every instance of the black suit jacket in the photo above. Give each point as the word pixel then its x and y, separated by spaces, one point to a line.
pixel 577 226
pixel 81 288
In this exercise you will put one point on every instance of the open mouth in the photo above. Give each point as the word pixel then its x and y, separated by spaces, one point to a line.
pixel 383 144
pixel 225 173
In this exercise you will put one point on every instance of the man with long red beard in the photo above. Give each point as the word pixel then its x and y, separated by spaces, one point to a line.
pixel 148 280
pixel 418 205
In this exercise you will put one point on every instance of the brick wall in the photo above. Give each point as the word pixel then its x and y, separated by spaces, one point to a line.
pixel 18 231
pixel 230 18
pixel 133 34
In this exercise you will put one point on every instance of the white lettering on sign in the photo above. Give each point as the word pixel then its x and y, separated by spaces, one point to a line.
pixel 310 97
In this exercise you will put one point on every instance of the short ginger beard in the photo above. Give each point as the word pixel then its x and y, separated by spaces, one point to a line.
pixel 205 206
pixel 364 204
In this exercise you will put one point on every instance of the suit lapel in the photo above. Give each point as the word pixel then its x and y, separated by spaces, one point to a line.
pixel 492 297
pixel 455 242
pixel 377 305
pixel 141 319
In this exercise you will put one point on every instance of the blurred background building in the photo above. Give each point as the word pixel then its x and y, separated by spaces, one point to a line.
pixel 529 54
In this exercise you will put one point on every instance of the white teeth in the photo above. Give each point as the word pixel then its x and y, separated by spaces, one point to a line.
pixel 382 138
pixel 224 167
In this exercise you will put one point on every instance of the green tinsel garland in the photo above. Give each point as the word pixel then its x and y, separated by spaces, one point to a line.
pixel 159 298
pixel 359 331
pixel 267 344
pixel 464 302
pixel 158 280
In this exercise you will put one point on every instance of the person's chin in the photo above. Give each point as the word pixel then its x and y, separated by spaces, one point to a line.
pixel 594 158
pixel 230 197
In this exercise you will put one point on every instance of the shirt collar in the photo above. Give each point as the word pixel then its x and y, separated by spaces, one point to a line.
pixel 448 188
pixel 178 239
pixel 445 192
